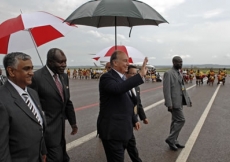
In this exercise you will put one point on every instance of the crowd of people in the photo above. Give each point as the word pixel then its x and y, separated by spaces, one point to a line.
pixel 190 74
pixel 90 73
pixel 85 73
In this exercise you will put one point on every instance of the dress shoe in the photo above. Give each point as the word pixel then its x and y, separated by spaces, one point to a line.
pixel 179 146
pixel 171 145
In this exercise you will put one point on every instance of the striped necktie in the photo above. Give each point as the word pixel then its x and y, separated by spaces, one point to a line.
pixel 2 79
pixel 29 104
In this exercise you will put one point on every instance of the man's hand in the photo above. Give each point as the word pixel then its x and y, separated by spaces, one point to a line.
pixel 145 121
pixel 170 108
pixel 74 129
pixel 137 126
pixel 43 158
pixel 144 70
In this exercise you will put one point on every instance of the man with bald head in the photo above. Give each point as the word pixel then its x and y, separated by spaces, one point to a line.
pixel 116 117
pixel 175 97
pixel 107 66
pixel 52 85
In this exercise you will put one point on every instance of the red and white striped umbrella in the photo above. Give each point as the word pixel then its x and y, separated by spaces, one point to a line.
pixel 31 30
pixel 133 54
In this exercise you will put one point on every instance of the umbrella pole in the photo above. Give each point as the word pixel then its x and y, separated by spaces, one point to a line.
pixel 35 46
pixel 115 32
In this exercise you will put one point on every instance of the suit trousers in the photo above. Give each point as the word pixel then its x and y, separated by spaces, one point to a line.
pixel 114 150
pixel 177 123
pixel 132 150
pixel 58 153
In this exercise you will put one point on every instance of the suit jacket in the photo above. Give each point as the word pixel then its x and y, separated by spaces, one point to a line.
pixel 140 110
pixel 56 111
pixel 116 117
pixel 21 137
pixel 4 80
pixel 172 89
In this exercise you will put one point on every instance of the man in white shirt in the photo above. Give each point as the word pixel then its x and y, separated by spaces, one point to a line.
pixel 22 122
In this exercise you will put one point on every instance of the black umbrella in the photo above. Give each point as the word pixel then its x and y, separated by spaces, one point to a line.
pixel 105 13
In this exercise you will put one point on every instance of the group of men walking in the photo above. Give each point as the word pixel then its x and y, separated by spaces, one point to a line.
pixel 35 105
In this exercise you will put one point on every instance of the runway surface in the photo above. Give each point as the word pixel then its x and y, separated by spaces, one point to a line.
pixel 205 133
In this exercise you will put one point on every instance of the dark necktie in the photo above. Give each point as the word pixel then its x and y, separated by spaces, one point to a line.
pixel 123 77
pixel 180 77
pixel 59 86
pixel 29 104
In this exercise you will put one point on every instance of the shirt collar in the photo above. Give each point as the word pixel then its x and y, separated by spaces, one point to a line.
pixel 51 72
pixel 121 75
pixel 18 89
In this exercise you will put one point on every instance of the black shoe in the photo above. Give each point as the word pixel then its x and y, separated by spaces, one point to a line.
pixel 171 145
pixel 179 146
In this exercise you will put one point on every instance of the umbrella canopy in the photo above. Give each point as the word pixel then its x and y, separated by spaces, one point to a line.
pixel 133 54
pixel 105 13
pixel 31 30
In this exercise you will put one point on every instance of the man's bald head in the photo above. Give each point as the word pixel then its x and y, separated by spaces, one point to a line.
pixel 177 62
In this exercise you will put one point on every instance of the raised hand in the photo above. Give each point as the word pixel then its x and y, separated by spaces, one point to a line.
pixel 144 69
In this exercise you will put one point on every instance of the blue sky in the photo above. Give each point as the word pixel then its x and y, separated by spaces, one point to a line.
pixel 198 31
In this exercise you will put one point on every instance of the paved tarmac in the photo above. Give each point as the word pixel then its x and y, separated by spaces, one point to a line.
pixel 205 133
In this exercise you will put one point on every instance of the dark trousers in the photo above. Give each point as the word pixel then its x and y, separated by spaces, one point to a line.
pixel 114 150
pixel 132 150
pixel 57 154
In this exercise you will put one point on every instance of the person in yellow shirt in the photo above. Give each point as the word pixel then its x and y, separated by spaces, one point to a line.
pixel 221 77
pixel 198 77
pixel 68 73
pixel 211 76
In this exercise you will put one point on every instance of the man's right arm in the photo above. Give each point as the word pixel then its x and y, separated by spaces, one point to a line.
pixel 4 135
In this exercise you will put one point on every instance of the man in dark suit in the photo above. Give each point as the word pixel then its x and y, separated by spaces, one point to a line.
pixel 52 85
pixel 176 96
pixel 116 117
pixel 3 78
pixel 22 122
pixel 138 110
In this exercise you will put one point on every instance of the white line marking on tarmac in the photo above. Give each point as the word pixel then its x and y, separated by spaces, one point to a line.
pixel 81 140
pixel 92 135
pixel 192 139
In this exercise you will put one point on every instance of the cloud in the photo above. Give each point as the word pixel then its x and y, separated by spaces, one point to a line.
pixel 146 39
pixel 170 56
pixel 227 55
pixel 107 37
pixel 207 14
pixel 160 41
pixel 185 56
pixel 163 5
pixel 151 58
pixel 212 13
